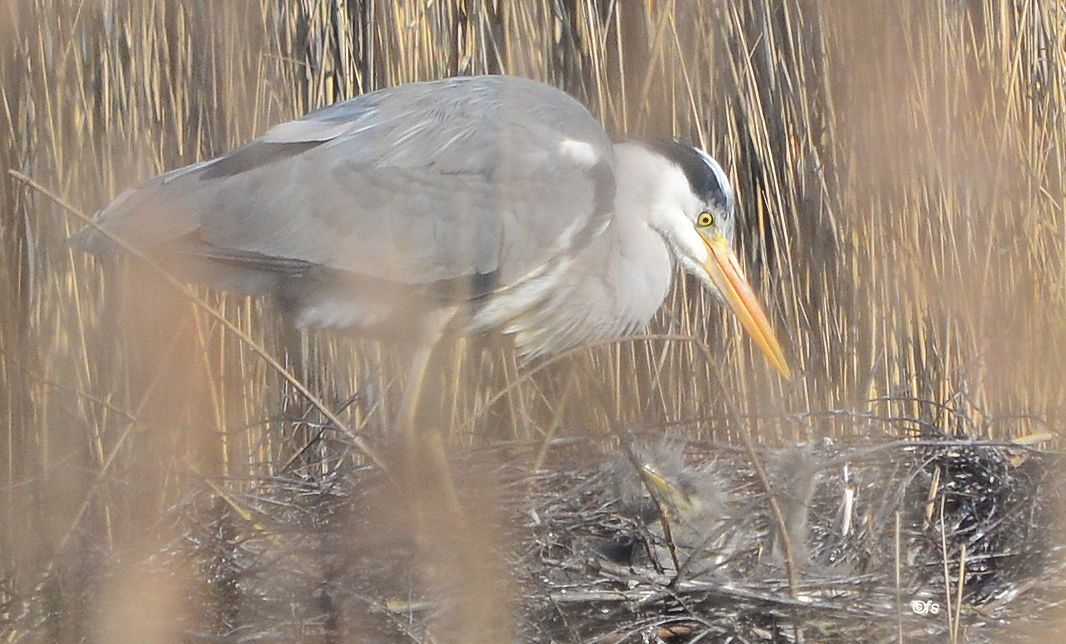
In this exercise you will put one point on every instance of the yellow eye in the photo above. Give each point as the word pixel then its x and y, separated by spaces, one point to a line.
pixel 705 219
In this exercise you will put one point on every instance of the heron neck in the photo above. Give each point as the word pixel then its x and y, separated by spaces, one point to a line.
pixel 609 288
pixel 634 256
pixel 644 179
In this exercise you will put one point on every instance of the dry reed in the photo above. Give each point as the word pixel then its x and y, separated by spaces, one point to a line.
pixel 898 165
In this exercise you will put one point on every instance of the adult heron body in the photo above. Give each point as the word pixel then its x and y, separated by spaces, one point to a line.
pixel 484 203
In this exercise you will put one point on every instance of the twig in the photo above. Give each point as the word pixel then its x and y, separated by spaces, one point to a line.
pixel 958 596
pixel 664 517
pixel 899 600
pixel 186 292
pixel 528 375
pixel 947 576
pixel 764 479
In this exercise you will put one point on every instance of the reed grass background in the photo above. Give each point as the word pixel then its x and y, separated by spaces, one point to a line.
pixel 899 173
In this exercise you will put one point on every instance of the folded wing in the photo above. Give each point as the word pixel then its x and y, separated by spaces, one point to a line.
pixel 473 180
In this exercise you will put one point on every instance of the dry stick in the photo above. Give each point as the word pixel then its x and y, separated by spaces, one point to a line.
pixel 528 375
pixel 557 417
pixel 958 596
pixel 899 602
pixel 944 558
pixel 696 120
pixel 186 292
pixel 656 57
pixel 664 518
pixel 749 447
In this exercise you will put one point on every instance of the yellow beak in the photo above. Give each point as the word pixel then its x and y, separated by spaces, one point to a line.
pixel 724 270
pixel 668 492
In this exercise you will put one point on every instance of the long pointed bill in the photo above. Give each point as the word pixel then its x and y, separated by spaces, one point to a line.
pixel 724 270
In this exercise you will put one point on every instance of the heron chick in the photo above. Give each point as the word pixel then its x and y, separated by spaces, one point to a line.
pixel 486 203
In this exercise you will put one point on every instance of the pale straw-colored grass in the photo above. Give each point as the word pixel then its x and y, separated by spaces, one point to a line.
pixel 898 166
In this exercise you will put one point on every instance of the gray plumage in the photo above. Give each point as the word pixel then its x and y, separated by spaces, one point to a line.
pixel 497 199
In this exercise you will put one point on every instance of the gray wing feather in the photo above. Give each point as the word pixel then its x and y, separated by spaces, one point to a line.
pixel 415 184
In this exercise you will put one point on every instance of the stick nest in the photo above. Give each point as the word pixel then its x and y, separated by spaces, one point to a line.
pixel 881 535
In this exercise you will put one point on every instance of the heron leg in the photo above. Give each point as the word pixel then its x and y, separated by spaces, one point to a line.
pixel 296 409
pixel 455 542
pixel 425 445
pixel 407 417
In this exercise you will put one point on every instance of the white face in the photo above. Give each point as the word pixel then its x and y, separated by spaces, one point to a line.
pixel 687 221
pixel 699 230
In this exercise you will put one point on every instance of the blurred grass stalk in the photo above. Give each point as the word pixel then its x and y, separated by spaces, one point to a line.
pixel 899 167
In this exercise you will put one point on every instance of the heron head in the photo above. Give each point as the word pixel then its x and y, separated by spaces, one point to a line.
pixel 694 214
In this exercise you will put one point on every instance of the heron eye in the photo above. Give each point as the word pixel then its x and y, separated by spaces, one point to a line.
pixel 705 219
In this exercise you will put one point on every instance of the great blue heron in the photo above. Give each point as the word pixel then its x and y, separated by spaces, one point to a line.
pixel 455 206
